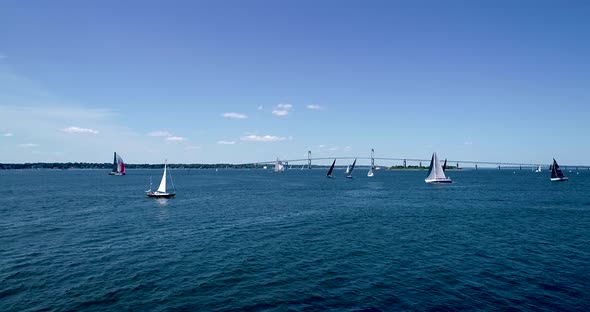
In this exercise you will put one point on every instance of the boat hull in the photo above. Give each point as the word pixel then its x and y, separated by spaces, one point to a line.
pixel 559 179
pixel 438 181
pixel 160 195
pixel 117 173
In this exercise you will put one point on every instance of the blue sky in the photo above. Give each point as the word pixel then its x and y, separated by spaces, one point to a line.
pixel 478 80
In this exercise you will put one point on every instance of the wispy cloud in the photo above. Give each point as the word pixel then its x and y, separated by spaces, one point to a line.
pixel 234 116
pixel 2 56
pixel 314 107
pixel 467 143
pixel 74 129
pixel 226 142
pixel 159 133
pixel 282 110
pixel 260 107
pixel 175 139
pixel 262 138
pixel 8 134
pixel 192 147
pixel 27 145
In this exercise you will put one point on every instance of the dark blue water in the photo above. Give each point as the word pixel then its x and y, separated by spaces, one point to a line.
pixel 255 240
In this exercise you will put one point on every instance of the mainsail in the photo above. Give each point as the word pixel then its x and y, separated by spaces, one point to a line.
pixel 115 165
pixel 162 187
pixel 331 169
pixel 349 169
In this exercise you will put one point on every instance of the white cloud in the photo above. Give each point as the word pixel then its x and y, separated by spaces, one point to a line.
pixel 2 56
pixel 226 142
pixel 260 107
pixel 175 139
pixel 234 116
pixel 27 145
pixel 74 129
pixel 262 138
pixel 192 147
pixel 333 148
pixel 160 133
pixel 8 134
pixel 282 110
pixel 314 107
pixel 468 143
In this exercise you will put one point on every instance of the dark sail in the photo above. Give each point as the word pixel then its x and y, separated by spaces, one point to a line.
pixel 556 171
pixel 331 168
pixel 115 162
pixel 352 168
pixel 445 165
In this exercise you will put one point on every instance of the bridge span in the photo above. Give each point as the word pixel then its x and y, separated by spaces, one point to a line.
pixel 307 162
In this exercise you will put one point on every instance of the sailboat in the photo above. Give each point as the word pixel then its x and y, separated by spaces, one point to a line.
pixel 118 166
pixel 538 169
pixel 329 174
pixel 349 169
pixel 279 167
pixel 370 173
pixel 556 173
pixel 161 191
pixel 436 174
pixel 445 166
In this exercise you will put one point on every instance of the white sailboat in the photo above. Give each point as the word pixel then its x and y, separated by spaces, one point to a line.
pixel 349 169
pixel 436 174
pixel 161 191
pixel 279 167
pixel 118 166
pixel 556 173
pixel 538 169
pixel 370 173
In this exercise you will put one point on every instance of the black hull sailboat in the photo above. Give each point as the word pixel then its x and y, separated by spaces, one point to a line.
pixel 329 174
pixel 556 173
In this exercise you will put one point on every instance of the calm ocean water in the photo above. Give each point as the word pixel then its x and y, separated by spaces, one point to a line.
pixel 254 240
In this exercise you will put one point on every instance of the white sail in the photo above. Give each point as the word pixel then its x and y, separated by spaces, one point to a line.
pixel 370 173
pixel 162 187
pixel 279 167
pixel 436 173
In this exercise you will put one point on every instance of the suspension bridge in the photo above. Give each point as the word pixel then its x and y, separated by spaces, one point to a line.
pixel 405 162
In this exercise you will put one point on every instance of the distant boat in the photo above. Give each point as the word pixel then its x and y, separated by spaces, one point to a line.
pixel 349 169
pixel 436 174
pixel 118 166
pixel 370 173
pixel 329 175
pixel 556 174
pixel 279 167
pixel 538 169
pixel 445 166
pixel 161 191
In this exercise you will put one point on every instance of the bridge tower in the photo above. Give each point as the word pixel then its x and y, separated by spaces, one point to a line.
pixel 404 163
pixel 372 159
pixel 475 166
pixel 457 165
pixel 308 159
